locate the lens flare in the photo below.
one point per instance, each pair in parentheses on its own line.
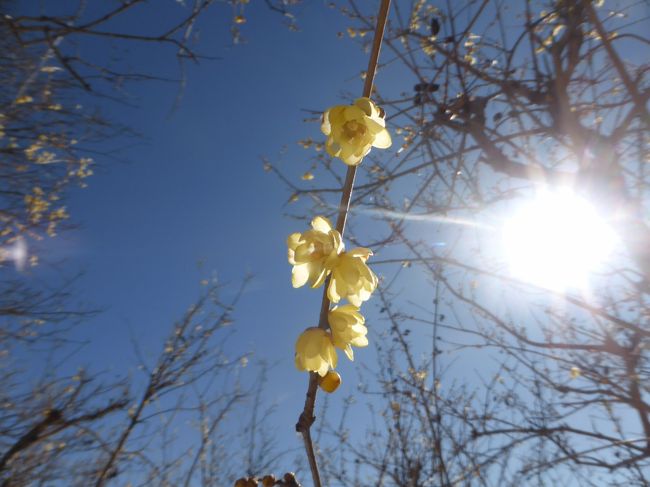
(16,253)
(557,240)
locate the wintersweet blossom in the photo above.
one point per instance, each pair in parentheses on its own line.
(351,278)
(315,351)
(348,329)
(352,130)
(313,253)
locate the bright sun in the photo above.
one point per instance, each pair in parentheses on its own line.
(556,240)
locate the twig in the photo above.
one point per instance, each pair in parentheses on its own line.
(307,417)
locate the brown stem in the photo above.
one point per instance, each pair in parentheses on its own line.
(307,417)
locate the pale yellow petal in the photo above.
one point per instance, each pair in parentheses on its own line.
(382,140)
(350,158)
(348,351)
(326,126)
(374,125)
(352,112)
(299,364)
(299,275)
(368,106)
(323,369)
(337,241)
(292,243)
(332,291)
(319,279)
(361,252)
(332,147)
(354,299)
(321,224)
(336,115)
(333,358)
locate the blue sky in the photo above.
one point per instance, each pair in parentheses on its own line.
(194,190)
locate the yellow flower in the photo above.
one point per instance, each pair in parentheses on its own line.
(353,129)
(315,351)
(351,278)
(348,329)
(313,253)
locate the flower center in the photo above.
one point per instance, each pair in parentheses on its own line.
(353,129)
(319,250)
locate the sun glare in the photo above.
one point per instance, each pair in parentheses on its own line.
(16,253)
(556,240)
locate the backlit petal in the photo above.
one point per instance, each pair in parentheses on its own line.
(382,140)
(299,275)
(321,224)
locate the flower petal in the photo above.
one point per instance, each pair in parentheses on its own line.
(299,275)
(375,125)
(348,351)
(332,291)
(361,252)
(368,106)
(321,224)
(352,112)
(333,148)
(382,140)
(319,279)
(332,117)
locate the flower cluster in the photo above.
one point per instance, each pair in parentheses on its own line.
(319,254)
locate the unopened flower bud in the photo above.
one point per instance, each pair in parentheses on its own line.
(268,481)
(246,482)
(290,479)
(330,382)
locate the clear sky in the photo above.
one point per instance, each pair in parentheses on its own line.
(194,190)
